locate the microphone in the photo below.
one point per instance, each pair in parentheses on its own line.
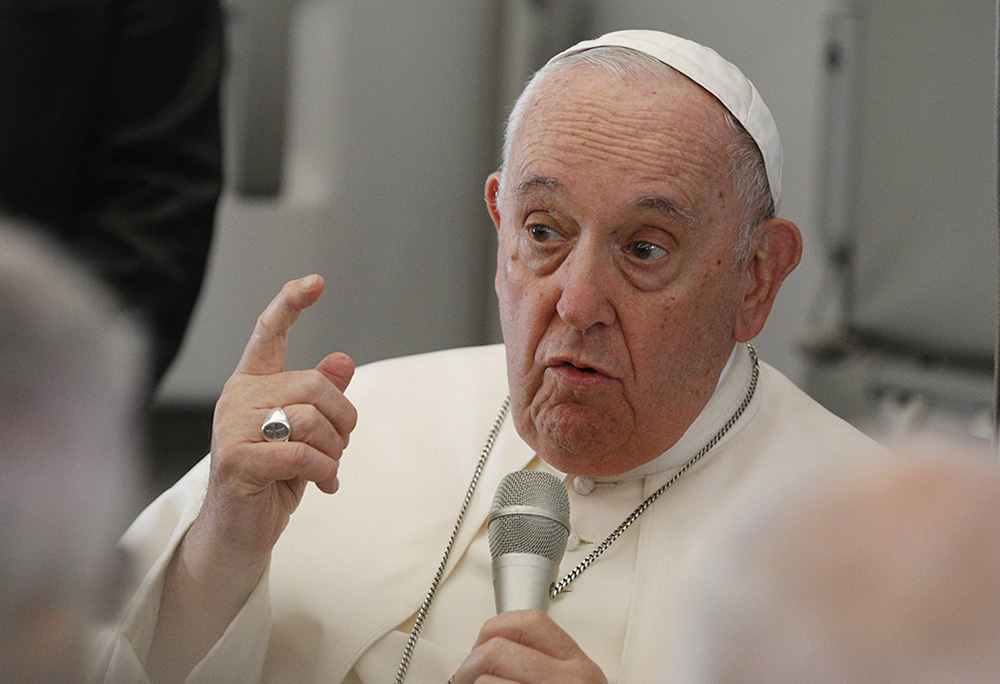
(528,526)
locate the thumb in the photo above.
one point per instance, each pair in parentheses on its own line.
(339,368)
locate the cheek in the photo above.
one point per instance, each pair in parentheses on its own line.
(716,291)
(723,296)
(693,330)
(508,263)
(521,292)
(677,327)
(516,311)
(507,288)
(522,314)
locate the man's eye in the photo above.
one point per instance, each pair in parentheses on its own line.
(646,251)
(542,233)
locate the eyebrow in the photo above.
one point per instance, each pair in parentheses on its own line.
(533,183)
(656,203)
(664,206)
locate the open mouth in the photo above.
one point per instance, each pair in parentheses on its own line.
(582,369)
(579,376)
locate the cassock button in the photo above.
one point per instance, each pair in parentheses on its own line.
(583,485)
(572,541)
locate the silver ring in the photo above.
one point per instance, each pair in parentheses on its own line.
(276,427)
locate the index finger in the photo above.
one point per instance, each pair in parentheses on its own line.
(268,345)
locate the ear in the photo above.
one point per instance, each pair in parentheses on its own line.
(777,250)
(492,196)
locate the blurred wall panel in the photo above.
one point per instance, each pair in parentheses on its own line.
(259,41)
(386,141)
(925,257)
(913,344)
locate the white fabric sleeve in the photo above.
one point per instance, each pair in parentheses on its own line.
(238,656)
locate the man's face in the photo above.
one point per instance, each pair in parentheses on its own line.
(616,273)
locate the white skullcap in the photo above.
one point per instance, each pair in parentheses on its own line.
(708,69)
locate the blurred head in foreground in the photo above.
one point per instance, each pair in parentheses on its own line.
(71,372)
(887,575)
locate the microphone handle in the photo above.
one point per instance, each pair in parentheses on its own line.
(521,581)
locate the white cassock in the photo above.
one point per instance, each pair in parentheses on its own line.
(351,570)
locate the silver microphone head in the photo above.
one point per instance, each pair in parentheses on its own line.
(528,526)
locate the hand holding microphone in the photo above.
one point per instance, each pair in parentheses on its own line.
(528,527)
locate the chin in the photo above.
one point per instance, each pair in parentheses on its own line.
(575,439)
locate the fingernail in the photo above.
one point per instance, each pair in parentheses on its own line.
(309,282)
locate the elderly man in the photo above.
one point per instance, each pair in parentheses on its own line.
(638,252)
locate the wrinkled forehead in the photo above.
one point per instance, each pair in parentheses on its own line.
(658,127)
(649,91)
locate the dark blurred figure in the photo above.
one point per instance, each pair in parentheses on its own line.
(110,137)
(70,369)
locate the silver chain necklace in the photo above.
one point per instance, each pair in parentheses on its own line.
(561,585)
(418,623)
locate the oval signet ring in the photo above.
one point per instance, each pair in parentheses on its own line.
(276,427)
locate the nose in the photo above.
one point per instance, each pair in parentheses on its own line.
(585,282)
